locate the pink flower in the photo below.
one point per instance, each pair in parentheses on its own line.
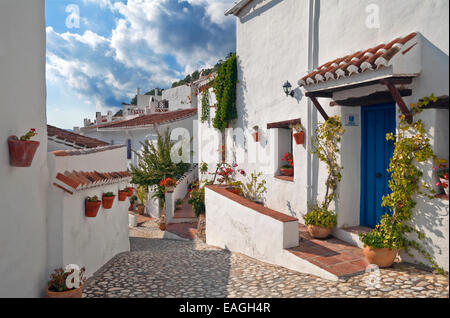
(438,184)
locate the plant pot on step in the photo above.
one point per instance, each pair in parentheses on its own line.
(108,202)
(382,257)
(73,293)
(140,209)
(91,208)
(289,172)
(255,136)
(299,137)
(318,231)
(21,152)
(123,195)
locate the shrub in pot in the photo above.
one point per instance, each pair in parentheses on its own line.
(22,151)
(141,195)
(235,187)
(197,200)
(254,188)
(320,222)
(123,194)
(133,201)
(298,134)
(57,285)
(130,191)
(288,168)
(107,200)
(92,205)
(178,204)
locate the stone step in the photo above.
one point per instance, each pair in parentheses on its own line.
(186,230)
(333,255)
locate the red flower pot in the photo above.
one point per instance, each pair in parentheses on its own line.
(289,172)
(299,137)
(92,208)
(123,195)
(130,191)
(21,153)
(256,136)
(108,202)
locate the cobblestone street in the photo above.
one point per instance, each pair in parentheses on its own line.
(169,268)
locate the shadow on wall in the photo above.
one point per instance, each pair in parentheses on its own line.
(259,11)
(175,267)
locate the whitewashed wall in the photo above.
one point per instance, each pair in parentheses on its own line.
(179,97)
(23,191)
(282,40)
(74,238)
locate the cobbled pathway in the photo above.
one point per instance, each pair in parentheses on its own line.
(169,268)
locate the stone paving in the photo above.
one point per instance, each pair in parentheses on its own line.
(169,268)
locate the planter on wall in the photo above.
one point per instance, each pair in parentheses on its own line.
(318,231)
(256,136)
(91,208)
(130,191)
(21,153)
(73,293)
(299,137)
(289,172)
(108,202)
(382,257)
(123,195)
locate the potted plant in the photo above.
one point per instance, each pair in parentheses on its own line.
(443,178)
(320,222)
(92,205)
(298,133)
(235,187)
(133,200)
(57,285)
(162,222)
(107,200)
(130,191)
(288,168)
(169,184)
(22,151)
(178,204)
(197,201)
(255,133)
(123,194)
(141,195)
(380,244)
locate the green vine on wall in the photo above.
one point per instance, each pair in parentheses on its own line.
(205,107)
(225,90)
(411,146)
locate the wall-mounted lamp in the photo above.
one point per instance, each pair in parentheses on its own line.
(287,89)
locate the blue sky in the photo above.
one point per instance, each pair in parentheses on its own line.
(100,51)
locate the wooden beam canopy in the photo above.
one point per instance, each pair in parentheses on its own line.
(284,124)
(398,99)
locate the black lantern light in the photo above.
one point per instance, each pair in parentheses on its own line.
(287,89)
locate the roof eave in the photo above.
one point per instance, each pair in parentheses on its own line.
(237,7)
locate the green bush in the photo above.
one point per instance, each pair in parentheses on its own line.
(197,200)
(320,216)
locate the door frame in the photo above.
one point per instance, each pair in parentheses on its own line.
(363,187)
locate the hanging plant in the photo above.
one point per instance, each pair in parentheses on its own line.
(225,90)
(410,145)
(205,107)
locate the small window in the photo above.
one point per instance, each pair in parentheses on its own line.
(129,149)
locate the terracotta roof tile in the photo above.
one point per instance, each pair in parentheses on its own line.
(76,139)
(77,152)
(80,180)
(157,118)
(358,62)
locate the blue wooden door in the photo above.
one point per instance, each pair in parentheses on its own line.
(376,152)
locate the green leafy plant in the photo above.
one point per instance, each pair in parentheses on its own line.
(57,282)
(125,190)
(141,194)
(31,133)
(255,188)
(297,127)
(320,216)
(92,199)
(179,202)
(197,200)
(108,194)
(411,145)
(203,167)
(160,194)
(224,86)
(256,128)
(205,107)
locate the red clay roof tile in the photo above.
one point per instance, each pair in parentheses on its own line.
(78,140)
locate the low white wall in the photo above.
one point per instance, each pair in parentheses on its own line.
(179,97)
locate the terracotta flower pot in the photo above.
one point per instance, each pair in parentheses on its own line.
(108,202)
(130,191)
(318,231)
(140,209)
(299,137)
(123,195)
(92,208)
(162,226)
(256,136)
(382,257)
(235,190)
(287,171)
(178,206)
(21,153)
(73,293)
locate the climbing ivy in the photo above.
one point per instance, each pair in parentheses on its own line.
(411,146)
(224,86)
(205,107)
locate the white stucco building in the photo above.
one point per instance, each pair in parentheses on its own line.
(358,55)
